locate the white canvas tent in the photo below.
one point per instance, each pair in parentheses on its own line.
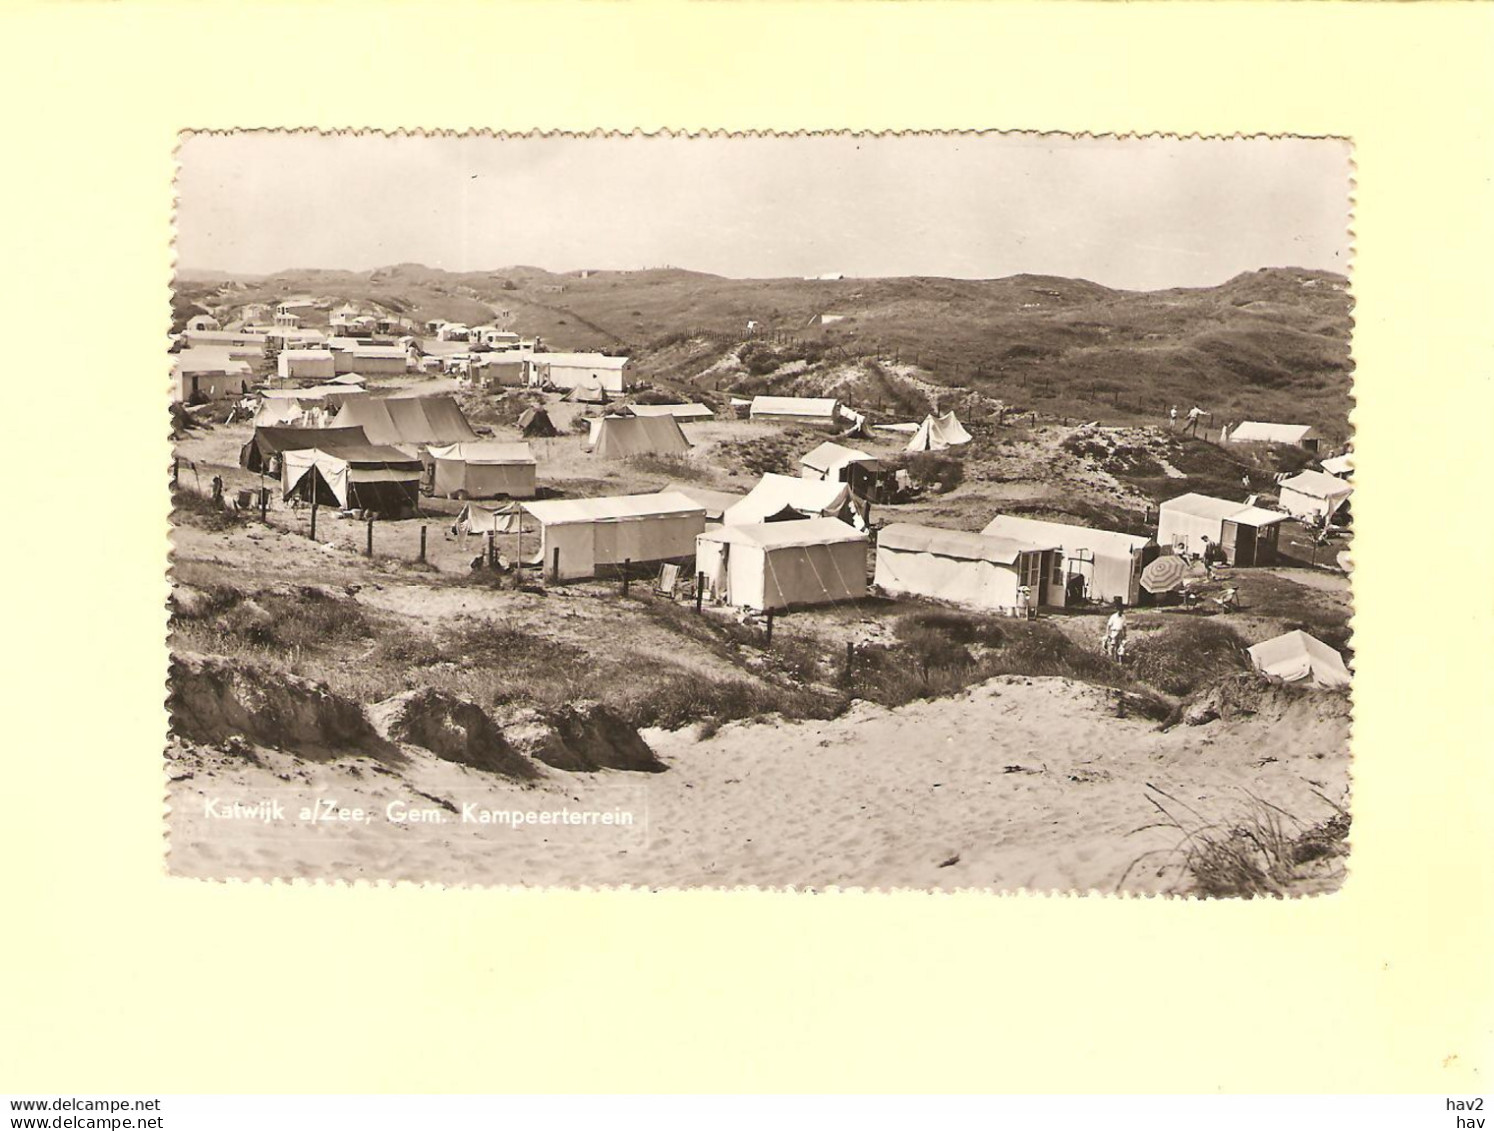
(1341,466)
(803,410)
(358,476)
(937,433)
(978,570)
(593,534)
(781,565)
(828,462)
(1264,432)
(483,469)
(781,497)
(1314,494)
(1296,657)
(1107,562)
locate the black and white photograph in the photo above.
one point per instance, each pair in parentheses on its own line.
(940,511)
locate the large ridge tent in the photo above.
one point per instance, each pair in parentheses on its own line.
(535,421)
(716,503)
(615,437)
(483,469)
(801,410)
(1246,535)
(1297,657)
(372,477)
(1264,432)
(781,565)
(407,420)
(784,497)
(1313,494)
(1098,565)
(937,433)
(266,443)
(593,534)
(978,570)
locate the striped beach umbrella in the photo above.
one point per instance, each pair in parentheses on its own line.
(1163,575)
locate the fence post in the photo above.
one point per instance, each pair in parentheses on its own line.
(627,569)
(313,514)
(368,550)
(850,659)
(490,551)
(264,502)
(555,567)
(699,590)
(768,642)
(422,544)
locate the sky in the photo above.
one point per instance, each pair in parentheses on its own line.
(1139,214)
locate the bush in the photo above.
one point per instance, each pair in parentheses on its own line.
(1264,851)
(935,470)
(1186,654)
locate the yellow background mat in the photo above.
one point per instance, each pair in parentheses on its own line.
(116,978)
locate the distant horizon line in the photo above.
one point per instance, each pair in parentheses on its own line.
(181,271)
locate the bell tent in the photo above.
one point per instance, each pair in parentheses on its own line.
(937,433)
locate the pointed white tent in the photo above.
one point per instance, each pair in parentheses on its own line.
(937,433)
(1296,657)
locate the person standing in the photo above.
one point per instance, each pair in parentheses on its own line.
(1115,632)
(1194,415)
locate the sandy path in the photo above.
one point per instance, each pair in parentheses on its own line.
(1020,783)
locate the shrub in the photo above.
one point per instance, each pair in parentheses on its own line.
(1186,654)
(1264,851)
(940,472)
